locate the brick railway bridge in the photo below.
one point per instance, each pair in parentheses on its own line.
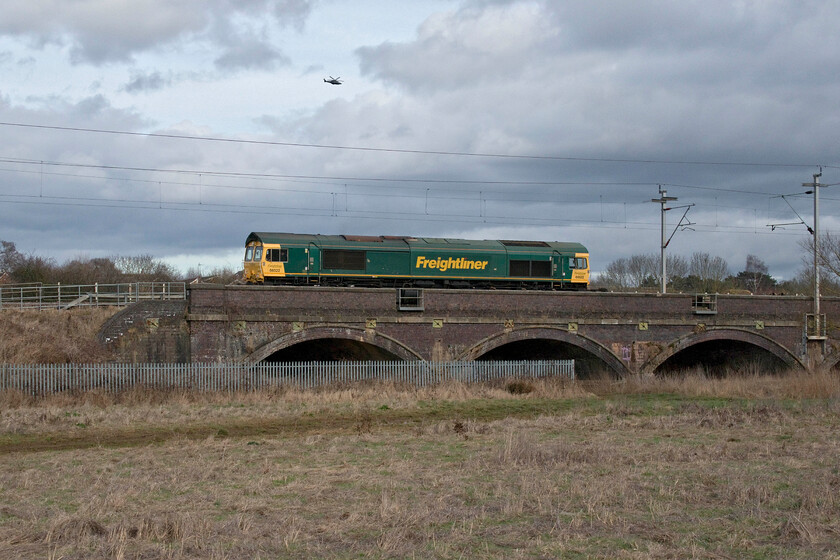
(623,333)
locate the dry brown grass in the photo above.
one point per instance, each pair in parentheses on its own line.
(668,468)
(731,384)
(698,483)
(52,337)
(25,415)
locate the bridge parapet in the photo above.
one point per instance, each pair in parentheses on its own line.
(627,332)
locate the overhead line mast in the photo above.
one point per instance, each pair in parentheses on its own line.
(663,200)
(816,232)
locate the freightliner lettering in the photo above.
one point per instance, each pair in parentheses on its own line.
(444,264)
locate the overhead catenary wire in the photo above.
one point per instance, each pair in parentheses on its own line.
(394,185)
(161,203)
(331,180)
(389,215)
(425,195)
(402,150)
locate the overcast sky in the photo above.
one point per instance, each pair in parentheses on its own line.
(176,128)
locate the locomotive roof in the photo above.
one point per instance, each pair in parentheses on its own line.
(404,242)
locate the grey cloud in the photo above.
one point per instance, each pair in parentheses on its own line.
(249,53)
(147,82)
(312,69)
(245,46)
(461,49)
(601,78)
(654,81)
(101,31)
(293,12)
(508,77)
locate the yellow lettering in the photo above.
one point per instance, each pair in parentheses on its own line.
(450,263)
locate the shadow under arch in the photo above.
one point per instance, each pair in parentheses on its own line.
(324,333)
(723,335)
(557,334)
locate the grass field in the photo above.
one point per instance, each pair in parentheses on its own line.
(737,467)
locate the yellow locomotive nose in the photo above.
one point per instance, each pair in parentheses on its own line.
(251,264)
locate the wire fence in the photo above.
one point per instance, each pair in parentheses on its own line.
(48,379)
(37,296)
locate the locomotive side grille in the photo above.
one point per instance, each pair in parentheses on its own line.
(343,259)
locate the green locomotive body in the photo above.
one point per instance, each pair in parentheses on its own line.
(358,260)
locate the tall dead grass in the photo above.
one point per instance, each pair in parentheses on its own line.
(52,336)
(790,385)
(362,393)
(822,384)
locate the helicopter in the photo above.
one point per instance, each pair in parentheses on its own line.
(333,81)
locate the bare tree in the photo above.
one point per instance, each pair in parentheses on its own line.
(25,268)
(145,268)
(616,276)
(642,270)
(803,282)
(709,272)
(216,275)
(89,271)
(829,257)
(10,258)
(677,266)
(755,277)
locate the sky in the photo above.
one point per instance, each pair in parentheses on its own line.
(176,128)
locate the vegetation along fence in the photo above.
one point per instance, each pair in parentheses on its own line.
(46,379)
(37,296)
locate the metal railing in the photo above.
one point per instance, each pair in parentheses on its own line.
(47,379)
(37,296)
(704,304)
(410,299)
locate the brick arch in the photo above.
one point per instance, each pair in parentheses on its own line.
(547,333)
(727,334)
(830,361)
(320,333)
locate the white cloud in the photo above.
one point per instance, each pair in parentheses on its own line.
(584,87)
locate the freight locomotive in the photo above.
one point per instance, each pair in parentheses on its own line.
(392,261)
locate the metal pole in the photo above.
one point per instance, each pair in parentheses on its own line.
(663,200)
(816,186)
(817,248)
(664,276)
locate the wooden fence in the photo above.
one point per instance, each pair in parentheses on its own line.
(46,379)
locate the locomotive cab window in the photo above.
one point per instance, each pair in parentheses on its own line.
(257,253)
(249,253)
(578,263)
(277,255)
